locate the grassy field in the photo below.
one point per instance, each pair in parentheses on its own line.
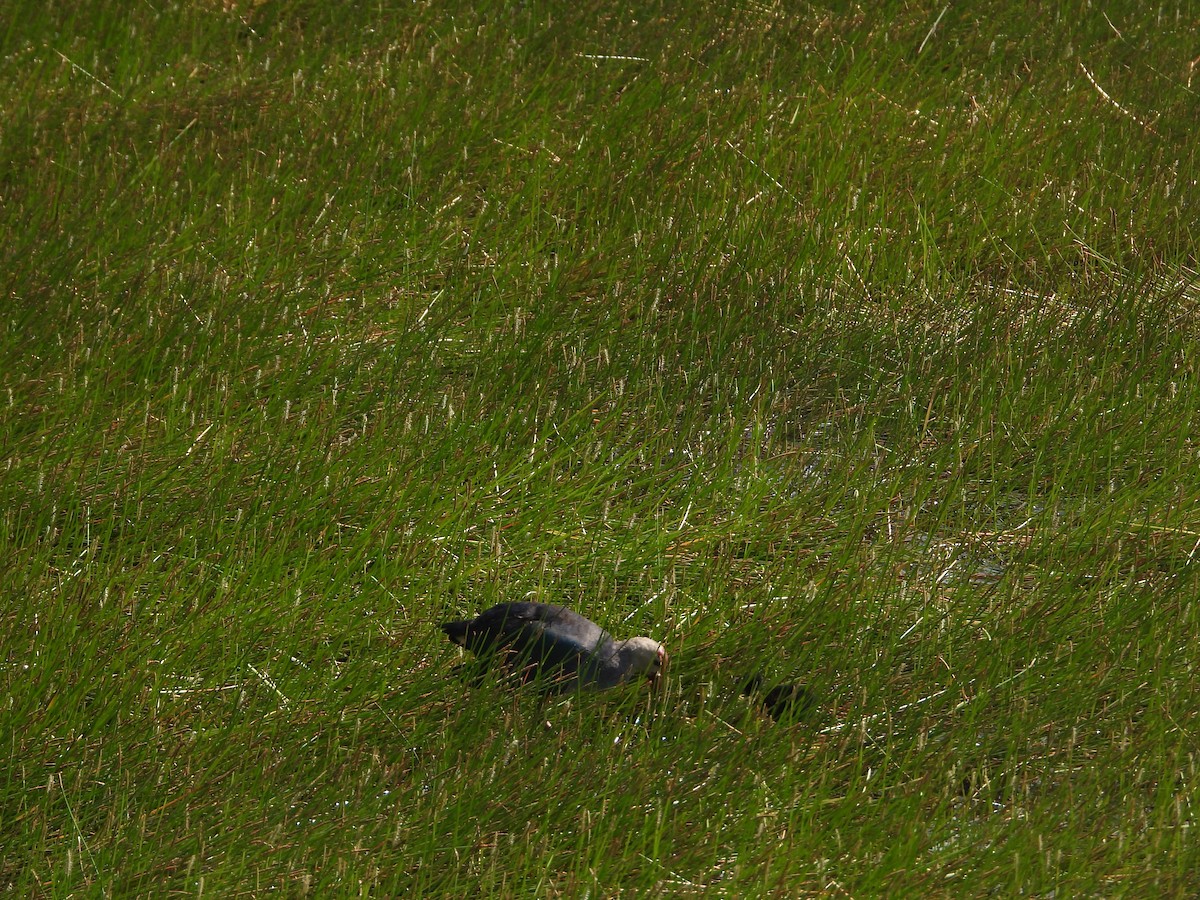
(850,344)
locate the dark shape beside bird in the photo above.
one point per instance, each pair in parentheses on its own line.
(556,645)
(787,701)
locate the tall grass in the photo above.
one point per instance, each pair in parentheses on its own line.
(851,346)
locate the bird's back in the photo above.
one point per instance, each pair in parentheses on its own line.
(540,635)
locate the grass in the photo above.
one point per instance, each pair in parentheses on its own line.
(852,345)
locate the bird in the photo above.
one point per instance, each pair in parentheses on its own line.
(557,646)
(784,701)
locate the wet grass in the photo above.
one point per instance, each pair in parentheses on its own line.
(852,347)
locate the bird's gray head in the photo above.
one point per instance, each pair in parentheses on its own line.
(643,656)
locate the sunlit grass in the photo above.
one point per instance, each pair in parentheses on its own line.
(854,348)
